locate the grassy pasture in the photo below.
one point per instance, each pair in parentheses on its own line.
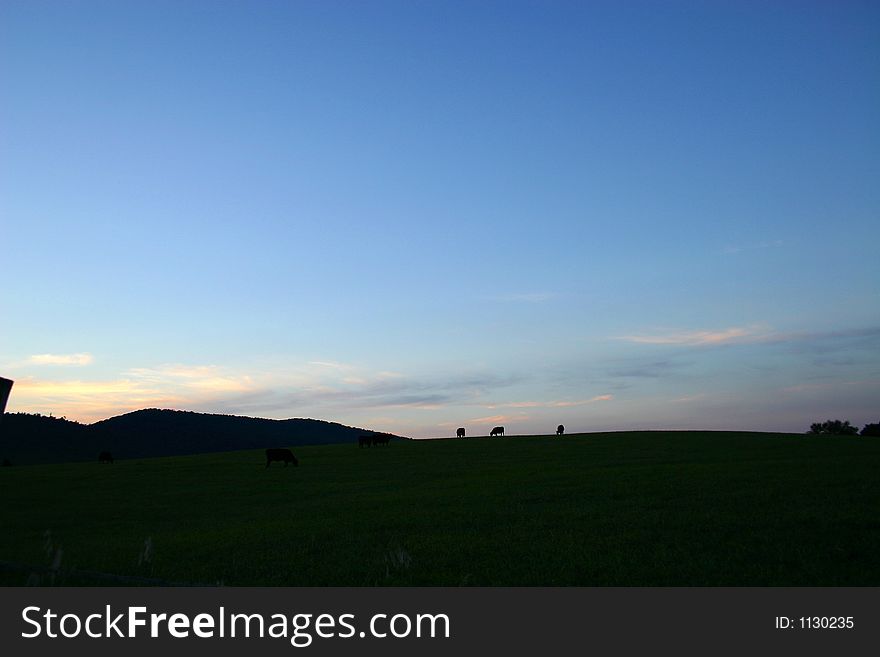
(648,508)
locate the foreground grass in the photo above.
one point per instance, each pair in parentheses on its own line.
(653,508)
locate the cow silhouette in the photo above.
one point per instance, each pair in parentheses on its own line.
(460,432)
(105,457)
(497,431)
(365,441)
(381,440)
(280,455)
(560,430)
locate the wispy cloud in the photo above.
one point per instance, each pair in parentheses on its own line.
(383,389)
(75,388)
(166,386)
(801,341)
(204,378)
(828,341)
(88,401)
(591,400)
(314,389)
(332,365)
(551,404)
(494,419)
(831,385)
(644,369)
(699,338)
(689,398)
(61,359)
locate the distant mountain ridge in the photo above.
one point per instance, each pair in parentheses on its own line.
(27,439)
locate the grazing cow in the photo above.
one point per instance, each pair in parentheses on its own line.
(105,457)
(497,431)
(460,433)
(365,441)
(381,440)
(280,455)
(560,430)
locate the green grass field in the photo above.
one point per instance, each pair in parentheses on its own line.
(653,508)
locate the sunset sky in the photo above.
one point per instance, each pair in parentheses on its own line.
(414,216)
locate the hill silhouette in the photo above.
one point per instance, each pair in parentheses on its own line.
(28,439)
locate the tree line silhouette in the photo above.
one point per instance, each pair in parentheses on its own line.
(28,438)
(842,428)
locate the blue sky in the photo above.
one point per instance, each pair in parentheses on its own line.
(414,216)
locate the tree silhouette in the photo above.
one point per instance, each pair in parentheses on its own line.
(871,430)
(833,427)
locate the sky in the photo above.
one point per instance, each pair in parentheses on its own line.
(422,215)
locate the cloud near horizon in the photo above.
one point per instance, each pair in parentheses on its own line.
(698,338)
(86,401)
(61,359)
(755,334)
(167,386)
(316,388)
(355,394)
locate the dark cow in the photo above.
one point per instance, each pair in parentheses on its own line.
(497,431)
(280,455)
(105,457)
(560,430)
(460,433)
(381,440)
(365,441)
